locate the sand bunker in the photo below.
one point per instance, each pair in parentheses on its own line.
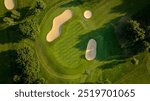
(87,14)
(91,50)
(57,23)
(9,4)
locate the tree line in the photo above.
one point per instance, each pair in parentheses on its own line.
(27,69)
(133,36)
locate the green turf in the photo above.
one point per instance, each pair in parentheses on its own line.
(63,61)
(64,58)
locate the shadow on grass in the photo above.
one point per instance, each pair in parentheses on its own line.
(10,35)
(7,66)
(108,47)
(130,6)
(75,3)
(143,16)
(24,12)
(111,65)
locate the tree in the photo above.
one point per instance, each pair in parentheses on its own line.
(134,27)
(16,78)
(131,35)
(28,64)
(146,45)
(15,14)
(9,21)
(30,28)
(133,31)
(38,6)
(40,81)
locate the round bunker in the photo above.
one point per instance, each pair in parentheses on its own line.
(57,23)
(9,4)
(91,50)
(87,14)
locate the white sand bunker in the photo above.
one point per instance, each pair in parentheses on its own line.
(91,50)
(87,14)
(9,4)
(57,23)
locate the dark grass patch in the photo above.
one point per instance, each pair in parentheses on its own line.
(7,66)
(107,45)
(10,35)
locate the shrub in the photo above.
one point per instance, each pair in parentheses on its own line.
(30,29)
(28,64)
(40,81)
(15,14)
(9,21)
(16,78)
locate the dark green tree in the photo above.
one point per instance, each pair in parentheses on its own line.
(15,14)
(16,78)
(134,28)
(38,6)
(30,29)
(28,64)
(9,21)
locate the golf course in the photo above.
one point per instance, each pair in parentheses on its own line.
(74,41)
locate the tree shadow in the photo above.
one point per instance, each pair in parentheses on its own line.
(75,3)
(10,35)
(24,12)
(111,65)
(7,66)
(143,16)
(108,47)
(130,6)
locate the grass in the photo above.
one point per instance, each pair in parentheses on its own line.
(63,61)
(65,56)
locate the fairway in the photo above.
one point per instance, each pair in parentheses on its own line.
(61,46)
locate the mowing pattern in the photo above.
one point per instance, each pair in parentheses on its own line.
(63,60)
(66,55)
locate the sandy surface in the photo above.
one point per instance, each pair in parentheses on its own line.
(91,50)
(9,4)
(87,14)
(57,23)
